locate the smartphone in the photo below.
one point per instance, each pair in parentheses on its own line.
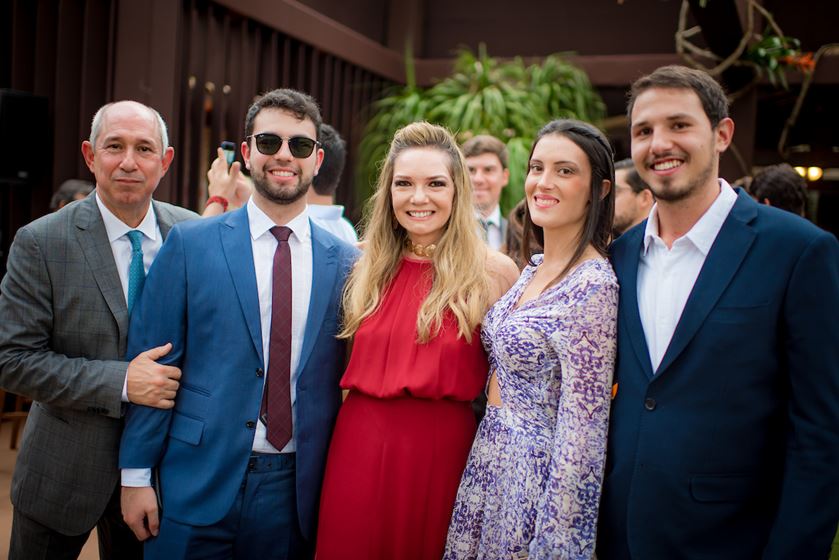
(229,151)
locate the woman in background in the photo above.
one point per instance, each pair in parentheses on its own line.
(413,306)
(532,484)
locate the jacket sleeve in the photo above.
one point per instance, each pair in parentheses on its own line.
(158,318)
(808,509)
(28,364)
(566,518)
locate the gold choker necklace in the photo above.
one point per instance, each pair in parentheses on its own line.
(420,250)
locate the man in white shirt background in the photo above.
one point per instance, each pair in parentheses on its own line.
(486,160)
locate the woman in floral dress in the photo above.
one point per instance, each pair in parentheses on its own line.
(532,483)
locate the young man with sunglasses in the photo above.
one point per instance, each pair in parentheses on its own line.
(239,460)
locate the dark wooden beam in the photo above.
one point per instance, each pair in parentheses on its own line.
(301,22)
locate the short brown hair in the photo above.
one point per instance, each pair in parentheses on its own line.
(710,93)
(486,144)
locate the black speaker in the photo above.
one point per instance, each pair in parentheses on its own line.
(25,137)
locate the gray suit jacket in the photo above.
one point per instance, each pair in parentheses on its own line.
(63,326)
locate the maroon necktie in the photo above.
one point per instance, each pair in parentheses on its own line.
(276,397)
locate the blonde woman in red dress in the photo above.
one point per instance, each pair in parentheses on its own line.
(413,307)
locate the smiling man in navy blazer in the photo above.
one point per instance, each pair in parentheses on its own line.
(250,301)
(724,436)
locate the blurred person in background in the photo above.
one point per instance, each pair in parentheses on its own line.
(486,160)
(780,186)
(321,197)
(633,197)
(70,191)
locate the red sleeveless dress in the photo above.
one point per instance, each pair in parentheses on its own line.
(404,433)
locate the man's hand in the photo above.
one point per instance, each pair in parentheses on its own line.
(227,183)
(139,510)
(150,383)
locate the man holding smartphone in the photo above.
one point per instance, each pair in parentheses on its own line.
(227,186)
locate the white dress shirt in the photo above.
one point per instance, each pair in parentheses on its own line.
(666,276)
(117,232)
(331,218)
(493,230)
(263,245)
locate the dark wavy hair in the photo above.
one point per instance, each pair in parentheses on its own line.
(597,228)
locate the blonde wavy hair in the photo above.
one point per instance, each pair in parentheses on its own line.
(459,285)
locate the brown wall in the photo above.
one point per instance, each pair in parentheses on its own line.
(540,27)
(60,51)
(368,17)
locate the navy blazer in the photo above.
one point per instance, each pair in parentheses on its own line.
(201,295)
(730,450)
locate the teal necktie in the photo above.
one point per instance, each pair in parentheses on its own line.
(484,229)
(136,270)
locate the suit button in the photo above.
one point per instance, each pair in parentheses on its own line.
(250,424)
(649,404)
(259,372)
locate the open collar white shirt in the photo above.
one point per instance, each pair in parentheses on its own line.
(666,276)
(264,244)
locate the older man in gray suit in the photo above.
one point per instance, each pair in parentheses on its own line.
(64,307)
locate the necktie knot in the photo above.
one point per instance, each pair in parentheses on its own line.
(136,239)
(282,233)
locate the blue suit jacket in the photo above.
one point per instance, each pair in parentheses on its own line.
(201,295)
(731,450)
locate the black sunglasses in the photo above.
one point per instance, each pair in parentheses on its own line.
(269,144)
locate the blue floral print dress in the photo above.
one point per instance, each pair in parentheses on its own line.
(532,483)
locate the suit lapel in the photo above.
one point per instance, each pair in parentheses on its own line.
(234,230)
(324,273)
(630,315)
(723,260)
(165,220)
(93,239)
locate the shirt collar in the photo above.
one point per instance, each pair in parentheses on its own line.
(260,222)
(116,228)
(704,231)
(494,218)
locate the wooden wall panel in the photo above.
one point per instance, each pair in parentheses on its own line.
(242,58)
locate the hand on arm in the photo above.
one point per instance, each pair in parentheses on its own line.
(149,383)
(34,358)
